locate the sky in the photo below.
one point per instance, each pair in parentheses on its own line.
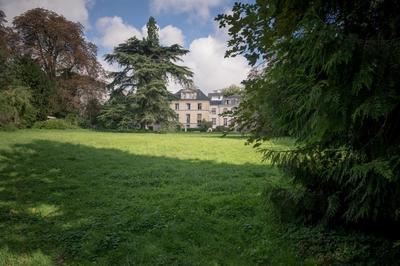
(189,23)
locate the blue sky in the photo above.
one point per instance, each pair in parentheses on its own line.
(186,22)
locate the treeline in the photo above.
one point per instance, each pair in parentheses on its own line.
(47,68)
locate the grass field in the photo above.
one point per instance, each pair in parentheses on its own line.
(81,197)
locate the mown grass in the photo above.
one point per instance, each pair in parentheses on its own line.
(82,197)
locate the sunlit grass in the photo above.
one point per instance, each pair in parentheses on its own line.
(81,197)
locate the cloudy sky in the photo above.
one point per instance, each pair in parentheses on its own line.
(189,23)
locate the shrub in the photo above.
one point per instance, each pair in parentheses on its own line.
(171,126)
(8,127)
(54,124)
(16,110)
(204,125)
(221,129)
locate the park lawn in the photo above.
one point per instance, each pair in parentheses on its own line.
(81,197)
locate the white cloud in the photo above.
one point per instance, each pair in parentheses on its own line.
(114,31)
(170,35)
(211,69)
(107,66)
(195,8)
(74,10)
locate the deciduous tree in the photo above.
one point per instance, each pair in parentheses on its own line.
(60,48)
(56,43)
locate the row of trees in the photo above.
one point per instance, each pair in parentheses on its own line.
(330,78)
(46,68)
(49,69)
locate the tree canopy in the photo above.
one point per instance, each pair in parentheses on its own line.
(327,75)
(56,43)
(140,88)
(232,90)
(48,56)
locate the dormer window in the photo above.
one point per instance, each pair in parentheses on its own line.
(188,95)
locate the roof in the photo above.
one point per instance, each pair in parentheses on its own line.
(199,95)
(215,102)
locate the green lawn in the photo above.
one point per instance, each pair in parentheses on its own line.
(81,197)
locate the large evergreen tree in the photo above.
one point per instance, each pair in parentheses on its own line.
(331,80)
(139,90)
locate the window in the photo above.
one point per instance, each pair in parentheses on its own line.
(188,95)
(177,106)
(214,121)
(188,106)
(199,119)
(227,101)
(214,111)
(199,106)
(187,118)
(225,121)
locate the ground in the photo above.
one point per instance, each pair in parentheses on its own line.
(78,197)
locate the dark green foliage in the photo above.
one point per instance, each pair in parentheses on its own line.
(91,111)
(118,113)
(26,92)
(16,109)
(48,55)
(152,32)
(221,129)
(140,87)
(204,125)
(332,82)
(3,50)
(54,124)
(335,247)
(42,88)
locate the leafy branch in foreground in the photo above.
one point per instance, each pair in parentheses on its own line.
(330,78)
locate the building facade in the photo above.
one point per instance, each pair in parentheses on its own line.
(192,106)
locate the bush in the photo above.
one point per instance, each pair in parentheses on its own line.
(16,110)
(172,126)
(8,127)
(221,129)
(54,124)
(204,125)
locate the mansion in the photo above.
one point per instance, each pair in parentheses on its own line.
(192,106)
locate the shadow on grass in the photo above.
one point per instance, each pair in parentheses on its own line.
(79,204)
